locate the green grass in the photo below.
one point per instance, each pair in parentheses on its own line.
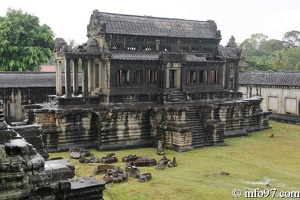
(249,160)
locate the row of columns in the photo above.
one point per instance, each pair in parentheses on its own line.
(92,76)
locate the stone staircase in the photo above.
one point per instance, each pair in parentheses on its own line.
(174,96)
(196,126)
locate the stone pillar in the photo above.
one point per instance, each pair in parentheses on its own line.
(178,78)
(85,77)
(236,77)
(107,79)
(75,77)
(220,75)
(91,75)
(227,78)
(58,78)
(101,78)
(167,78)
(106,74)
(68,87)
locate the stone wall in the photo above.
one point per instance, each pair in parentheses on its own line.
(65,128)
(169,125)
(124,127)
(279,99)
(178,121)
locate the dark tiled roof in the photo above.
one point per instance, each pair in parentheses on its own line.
(270,78)
(30,79)
(228,52)
(153,26)
(134,56)
(194,58)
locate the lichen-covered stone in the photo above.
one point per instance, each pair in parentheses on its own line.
(24,174)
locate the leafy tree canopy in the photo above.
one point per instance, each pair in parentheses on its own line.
(24,43)
(252,44)
(292,39)
(275,55)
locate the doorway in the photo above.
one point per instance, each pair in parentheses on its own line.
(172,76)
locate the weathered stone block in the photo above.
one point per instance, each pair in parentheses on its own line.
(5,135)
(39,179)
(36,162)
(17,163)
(59,171)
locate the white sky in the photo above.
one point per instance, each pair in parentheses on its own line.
(240,18)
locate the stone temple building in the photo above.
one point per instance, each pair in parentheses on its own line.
(147,79)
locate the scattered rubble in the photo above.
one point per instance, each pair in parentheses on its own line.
(109,158)
(145,177)
(115,175)
(144,161)
(130,158)
(164,162)
(132,170)
(91,159)
(102,169)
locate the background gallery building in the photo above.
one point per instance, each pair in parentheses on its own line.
(145,79)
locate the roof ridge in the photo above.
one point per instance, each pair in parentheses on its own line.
(155,17)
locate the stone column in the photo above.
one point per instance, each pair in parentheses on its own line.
(178,78)
(236,77)
(68,88)
(91,75)
(220,75)
(101,78)
(167,78)
(105,68)
(75,76)
(107,75)
(85,77)
(227,78)
(58,78)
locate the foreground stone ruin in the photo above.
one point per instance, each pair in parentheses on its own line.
(24,173)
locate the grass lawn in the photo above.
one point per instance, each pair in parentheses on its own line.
(252,162)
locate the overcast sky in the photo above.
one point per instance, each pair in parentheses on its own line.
(240,18)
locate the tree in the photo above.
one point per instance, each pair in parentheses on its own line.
(272,45)
(291,55)
(280,62)
(24,43)
(260,64)
(298,66)
(292,39)
(252,44)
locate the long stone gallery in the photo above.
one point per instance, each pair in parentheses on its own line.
(144,81)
